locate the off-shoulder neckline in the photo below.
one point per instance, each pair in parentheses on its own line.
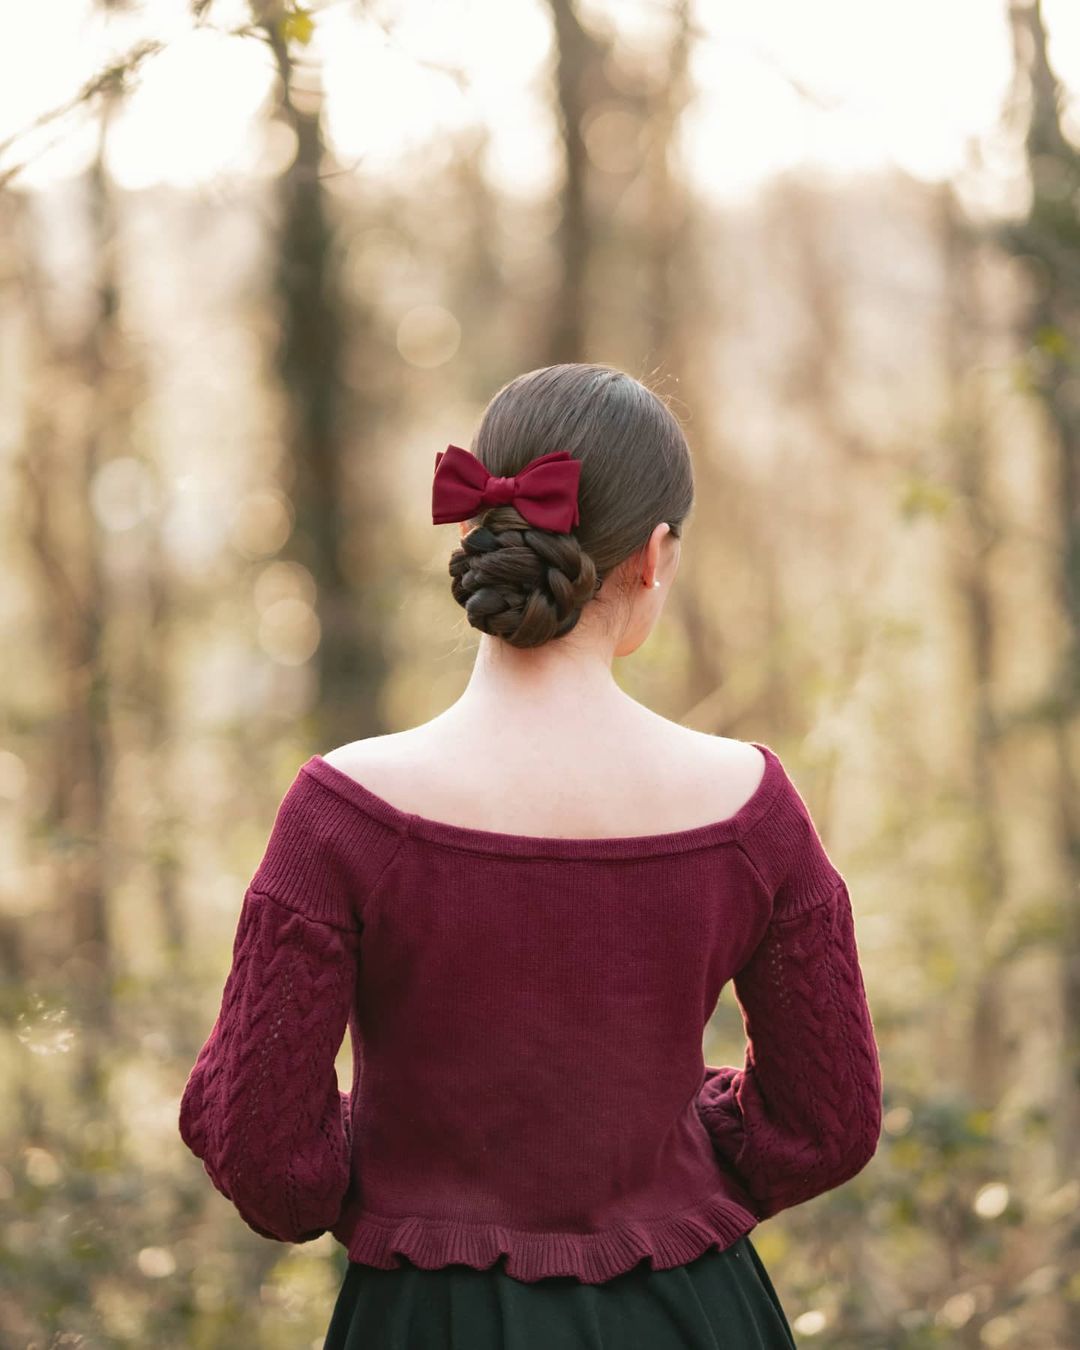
(466,837)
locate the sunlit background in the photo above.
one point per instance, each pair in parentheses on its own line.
(841,87)
(260,261)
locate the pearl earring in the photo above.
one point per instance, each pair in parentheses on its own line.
(655,584)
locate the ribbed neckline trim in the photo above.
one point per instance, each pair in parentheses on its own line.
(548,846)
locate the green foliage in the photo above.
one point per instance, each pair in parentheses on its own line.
(1055,343)
(924,496)
(297,25)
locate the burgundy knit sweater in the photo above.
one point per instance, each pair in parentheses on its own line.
(526,1016)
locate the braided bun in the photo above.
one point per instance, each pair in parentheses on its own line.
(528,585)
(520,583)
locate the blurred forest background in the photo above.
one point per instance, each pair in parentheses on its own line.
(260,261)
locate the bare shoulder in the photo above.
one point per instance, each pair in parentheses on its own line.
(370,752)
(720,763)
(717,769)
(710,751)
(739,755)
(397,764)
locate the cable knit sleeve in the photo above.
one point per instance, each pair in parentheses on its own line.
(803,1114)
(262,1107)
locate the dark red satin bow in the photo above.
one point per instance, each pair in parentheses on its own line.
(545,492)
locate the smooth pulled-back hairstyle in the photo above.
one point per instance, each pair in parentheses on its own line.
(528,585)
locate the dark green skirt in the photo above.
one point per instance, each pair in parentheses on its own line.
(722,1300)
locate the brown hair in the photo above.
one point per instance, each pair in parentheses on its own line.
(528,585)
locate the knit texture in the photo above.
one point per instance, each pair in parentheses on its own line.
(526,1017)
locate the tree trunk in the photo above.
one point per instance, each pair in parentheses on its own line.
(1050,237)
(332,544)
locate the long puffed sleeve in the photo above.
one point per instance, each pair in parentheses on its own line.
(262,1107)
(804,1112)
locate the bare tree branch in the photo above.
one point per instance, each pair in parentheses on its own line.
(114,79)
(731,40)
(117,77)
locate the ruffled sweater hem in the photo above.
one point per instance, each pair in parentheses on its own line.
(378,1240)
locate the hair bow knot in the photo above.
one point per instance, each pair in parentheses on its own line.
(545,492)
